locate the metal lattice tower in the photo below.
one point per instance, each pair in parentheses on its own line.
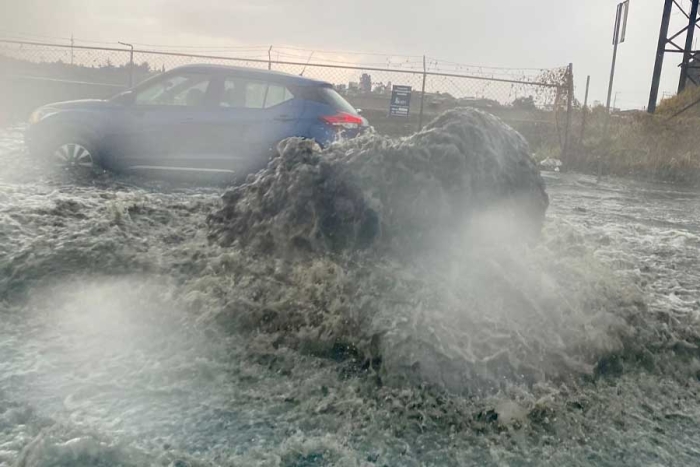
(667,44)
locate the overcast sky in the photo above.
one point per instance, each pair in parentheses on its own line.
(509,33)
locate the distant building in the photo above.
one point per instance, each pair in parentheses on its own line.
(365,83)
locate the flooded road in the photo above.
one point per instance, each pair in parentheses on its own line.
(113,352)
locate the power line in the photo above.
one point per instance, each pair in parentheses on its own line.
(258,48)
(409,63)
(484,67)
(320,59)
(8,32)
(193,47)
(350,52)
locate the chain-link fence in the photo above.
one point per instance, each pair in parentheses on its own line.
(536,102)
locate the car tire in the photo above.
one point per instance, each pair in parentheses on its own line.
(75,154)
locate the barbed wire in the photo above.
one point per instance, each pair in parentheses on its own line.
(444,80)
(391,60)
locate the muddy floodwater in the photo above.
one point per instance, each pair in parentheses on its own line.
(113,350)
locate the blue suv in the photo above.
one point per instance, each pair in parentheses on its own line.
(197,119)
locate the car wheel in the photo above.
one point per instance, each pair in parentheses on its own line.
(75,155)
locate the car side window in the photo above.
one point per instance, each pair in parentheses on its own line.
(185,90)
(243,93)
(276,95)
(255,92)
(232,96)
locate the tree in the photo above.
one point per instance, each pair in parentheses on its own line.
(525,103)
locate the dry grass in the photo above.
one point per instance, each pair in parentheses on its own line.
(675,104)
(637,144)
(642,145)
(656,147)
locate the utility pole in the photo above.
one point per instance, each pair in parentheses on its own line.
(72,44)
(619,34)
(585,110)
(687,54)
(569,110)
(660,52)
(667,44)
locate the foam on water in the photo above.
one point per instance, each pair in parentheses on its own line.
(128,337)
(414,256)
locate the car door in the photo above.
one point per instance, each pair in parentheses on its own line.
(168,127)
(253,115)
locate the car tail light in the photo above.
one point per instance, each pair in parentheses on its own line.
(343,120)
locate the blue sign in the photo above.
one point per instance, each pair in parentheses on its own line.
(400,101)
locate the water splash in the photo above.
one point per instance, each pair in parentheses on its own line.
(413,257)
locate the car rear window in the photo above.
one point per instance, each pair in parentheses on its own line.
(330,96)
(253,94)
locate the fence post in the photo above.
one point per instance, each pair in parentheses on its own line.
(269,58)
(585,110)
(422,96)
(131,67)
(131,63)
(569,110)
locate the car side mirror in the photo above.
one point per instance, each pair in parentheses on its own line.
(125,98)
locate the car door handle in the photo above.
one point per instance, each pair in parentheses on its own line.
(284,118)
